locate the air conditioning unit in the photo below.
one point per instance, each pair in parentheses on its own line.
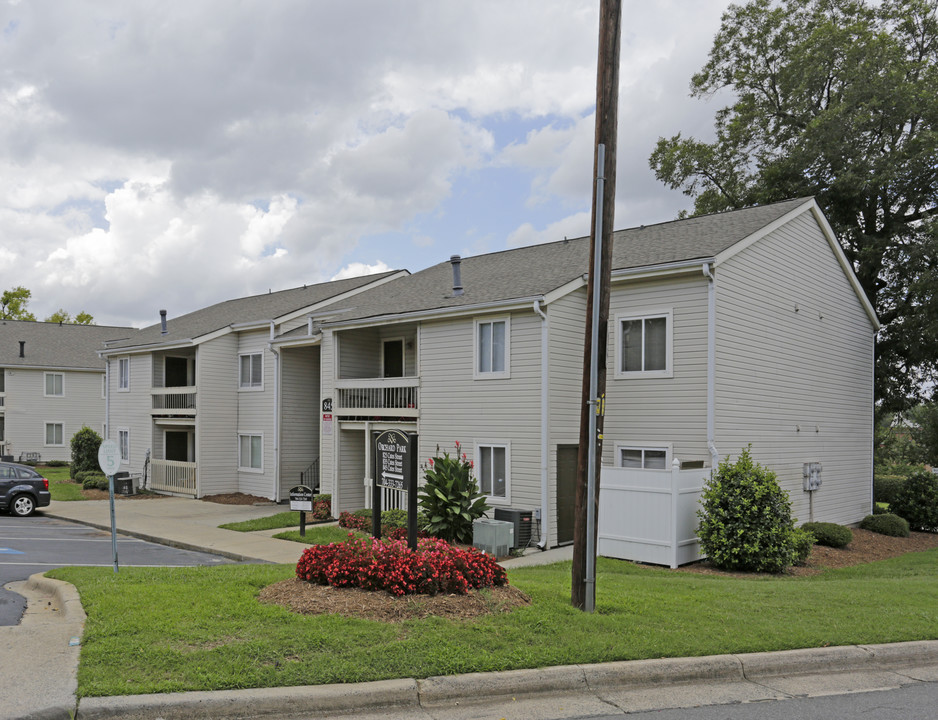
(494,537)
(522,520)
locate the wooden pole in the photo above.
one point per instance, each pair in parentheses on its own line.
(607,100)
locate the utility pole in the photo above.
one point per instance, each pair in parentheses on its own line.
(589,459)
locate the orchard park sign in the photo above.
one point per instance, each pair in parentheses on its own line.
(395,468)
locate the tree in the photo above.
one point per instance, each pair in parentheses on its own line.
(13,304)
(85,444)
(61,316)
(835,99)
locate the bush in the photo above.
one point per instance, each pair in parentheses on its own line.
(391,521)
(885,487)
(803,542)
(829,534)
(92,480)
(56,463)
(322,507)
(917,501)
(85,445)
(886,524)
(745,519)
(450,497)
(435,567)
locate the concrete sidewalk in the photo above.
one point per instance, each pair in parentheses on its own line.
(555,692)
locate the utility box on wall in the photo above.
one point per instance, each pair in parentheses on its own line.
(812,476)
(493,537)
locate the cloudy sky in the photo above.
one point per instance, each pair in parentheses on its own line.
(174,154)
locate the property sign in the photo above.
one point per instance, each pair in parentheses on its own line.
(109,457)
(301,498)
(395,468)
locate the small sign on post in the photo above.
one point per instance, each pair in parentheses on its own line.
(301,498)
(396,469)
(109,460)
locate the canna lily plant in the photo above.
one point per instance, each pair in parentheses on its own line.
(450,497)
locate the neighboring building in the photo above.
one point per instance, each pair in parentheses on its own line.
(196,394)
(51,384)
(736,328)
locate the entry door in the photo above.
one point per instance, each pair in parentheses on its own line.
(566,492)
(393,358)
(177,446)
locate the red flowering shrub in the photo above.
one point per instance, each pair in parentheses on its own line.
(322,507)
(435,567)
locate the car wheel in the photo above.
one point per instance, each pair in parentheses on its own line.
(22,505)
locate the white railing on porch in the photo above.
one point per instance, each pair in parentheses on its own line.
(173,476)
(380,396)
(650,515)
(390,499)
(174,400)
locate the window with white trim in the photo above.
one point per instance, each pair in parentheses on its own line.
(252,371)
(250,452)
(55,384)
(123,440)
(644,458)
(492,348)
(493,471)
(123,374)
(55,434)
(644,345)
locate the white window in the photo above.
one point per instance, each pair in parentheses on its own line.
(252,371)
(492,348)
(251,452)
(492,469)
(644,458)
(644,345)
(123,439)
(55,384)
(55,435)
(123,374)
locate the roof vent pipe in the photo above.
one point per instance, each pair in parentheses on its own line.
(162,322)
(457,277)
(22,348)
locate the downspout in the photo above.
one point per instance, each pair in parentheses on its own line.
(711,365)
(270,346)
(545,489)
(107,398)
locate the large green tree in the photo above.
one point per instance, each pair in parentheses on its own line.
(837,99)
(13,304)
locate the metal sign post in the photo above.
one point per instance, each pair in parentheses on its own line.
(109,460)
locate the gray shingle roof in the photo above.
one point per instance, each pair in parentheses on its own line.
(536,270)
(255,308)
(53,345)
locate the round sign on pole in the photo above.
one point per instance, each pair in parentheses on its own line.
(109,457)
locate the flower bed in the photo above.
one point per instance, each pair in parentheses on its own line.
(435,567)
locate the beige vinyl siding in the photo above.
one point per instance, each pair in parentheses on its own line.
(217,420)
(327,443)
(795,350)
(130,409)
(299,412)
(359,353)
(661,411)
(256,414)
(351,469)
(454,406)
(27,410)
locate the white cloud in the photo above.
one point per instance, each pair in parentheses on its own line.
(358,269)
(574,226)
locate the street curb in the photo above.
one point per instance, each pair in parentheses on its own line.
(65,594)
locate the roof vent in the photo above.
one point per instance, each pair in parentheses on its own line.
(457,276)
(163,322)
(22,348)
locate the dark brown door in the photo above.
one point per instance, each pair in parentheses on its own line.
(566,492)
(177,374)
(177,446)
(393,358)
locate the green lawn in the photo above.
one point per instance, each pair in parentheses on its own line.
(319,535)
(174,629)
(60,485)
(271,522)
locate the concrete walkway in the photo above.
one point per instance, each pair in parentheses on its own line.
(55,616)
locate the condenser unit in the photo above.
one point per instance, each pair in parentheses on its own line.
(494,537)
(521,520)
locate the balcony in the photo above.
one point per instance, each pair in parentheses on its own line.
(174,401)
(394,397)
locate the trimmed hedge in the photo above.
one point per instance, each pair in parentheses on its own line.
(886,524)
(885,487)
(829,534)
(91,480)
(917,501)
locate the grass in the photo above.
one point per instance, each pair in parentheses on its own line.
(60,485)
(176,629)
(271,522)
(319,535)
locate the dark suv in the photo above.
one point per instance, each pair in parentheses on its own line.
(22,489)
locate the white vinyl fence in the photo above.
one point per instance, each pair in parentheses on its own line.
(650,515)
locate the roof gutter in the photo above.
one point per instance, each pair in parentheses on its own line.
(671,268)
(512,304)
(149,347)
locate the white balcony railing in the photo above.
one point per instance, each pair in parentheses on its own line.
(394,397)
(174,401)
(173,476)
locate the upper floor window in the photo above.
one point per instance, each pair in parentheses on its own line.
(492,348)
(55,384)
(644,345)
(123,374)
(252,371)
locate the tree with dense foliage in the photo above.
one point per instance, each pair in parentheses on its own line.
(13,304)
(835,99)
(61,316)
(85,444)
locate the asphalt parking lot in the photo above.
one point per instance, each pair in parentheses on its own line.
(36,544)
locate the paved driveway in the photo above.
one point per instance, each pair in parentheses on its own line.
(37,543)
